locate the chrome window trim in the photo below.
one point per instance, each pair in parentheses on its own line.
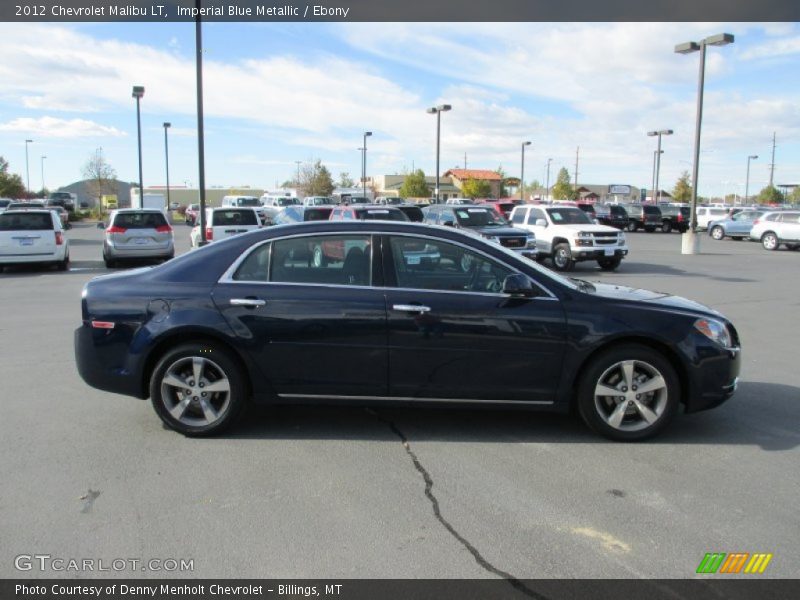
(227,276)
(417,399)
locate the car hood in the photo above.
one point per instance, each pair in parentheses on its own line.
(495,231)
(591,228)
(657,299)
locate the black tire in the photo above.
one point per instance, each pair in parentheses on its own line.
(609,264)
(770,241)
(632,226)
(218,366)
(110,264)
(64,264)
(666,226)
(649,229)
(793,246)
(717,232)
(562,258)
(318,258)
(605,368)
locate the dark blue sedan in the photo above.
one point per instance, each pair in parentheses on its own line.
(393,316)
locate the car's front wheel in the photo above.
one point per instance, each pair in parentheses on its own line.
(718,233)
(609,264)
(770,241)
(632,226)
(666,226)
(562,258)
(198,389)
(628,393)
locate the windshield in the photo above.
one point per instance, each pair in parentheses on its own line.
(479,217)
(568,216)
(140,220)
(25,221)
(287,201)
(60,196)
(381,214)
(247,202)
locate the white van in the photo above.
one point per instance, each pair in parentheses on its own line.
(278,201)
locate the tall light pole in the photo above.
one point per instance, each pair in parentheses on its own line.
(747,181)
(438,110)
(547,185)
(653,188)
(27,170)
(166,156)
(297,179)
(364,164)
(691,243)
(201,149)
(659,133)
(522,174)
(43,157)
(138,92)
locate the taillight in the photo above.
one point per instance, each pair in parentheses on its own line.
(59,238)
(209,233)
(115,229)
(163,229)
(680,218)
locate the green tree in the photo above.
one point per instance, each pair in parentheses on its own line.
(316,180)
(11,185)
(563,190)
(345,180)
(415,186)
(476,188)
(794,196)
(770,195)
(100,176)
(503,192)
(682,192)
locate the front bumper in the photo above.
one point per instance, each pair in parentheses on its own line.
(715,378)
(595,253)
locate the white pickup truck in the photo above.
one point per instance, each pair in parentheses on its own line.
(567,235)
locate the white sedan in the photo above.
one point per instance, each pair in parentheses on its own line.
(32,237)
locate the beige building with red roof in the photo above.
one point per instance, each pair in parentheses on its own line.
(460,176)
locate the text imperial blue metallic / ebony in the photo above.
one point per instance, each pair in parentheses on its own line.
(386,312)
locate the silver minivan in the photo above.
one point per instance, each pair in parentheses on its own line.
(137,233)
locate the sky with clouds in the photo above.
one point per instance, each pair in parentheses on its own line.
(280,93)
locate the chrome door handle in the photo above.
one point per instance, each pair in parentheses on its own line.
(418,308)
(251,302)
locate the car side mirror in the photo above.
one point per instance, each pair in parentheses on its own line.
(518,284)
(541,223)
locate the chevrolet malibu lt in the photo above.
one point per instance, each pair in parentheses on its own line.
(253,319)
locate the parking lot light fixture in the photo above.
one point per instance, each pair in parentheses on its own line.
(166,157)
(690,243)
(138,93)
(547,185)
(522,174)
(364,164)
(747,180)
(438,110)
(656,190)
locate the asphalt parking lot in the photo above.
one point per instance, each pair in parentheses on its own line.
(335,493)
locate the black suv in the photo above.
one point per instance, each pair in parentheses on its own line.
(612,215)
(675,218)
(643,216)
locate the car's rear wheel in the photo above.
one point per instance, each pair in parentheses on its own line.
(562,258)
(632,226)
(793,246)
(770,241)
(609,264)
(198,389)
(628,393)
(666,227)
(717,232)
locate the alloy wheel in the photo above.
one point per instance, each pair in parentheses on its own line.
(195,391)
(631,395)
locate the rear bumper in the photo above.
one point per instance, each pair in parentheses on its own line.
(147,251)
(31,259)
(98,363)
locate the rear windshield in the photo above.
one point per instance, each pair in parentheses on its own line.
(287,201)
(247,202)
(414,213)
(381,214)
(25,221)
(317,214)
(140,220)
(4,202)
(235,217)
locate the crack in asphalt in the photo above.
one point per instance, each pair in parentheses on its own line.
(485,564)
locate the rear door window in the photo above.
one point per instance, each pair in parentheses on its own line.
(25,222)
(146,220)
(235,217)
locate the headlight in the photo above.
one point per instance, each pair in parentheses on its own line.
(583,234)
(621,238)
(715,331)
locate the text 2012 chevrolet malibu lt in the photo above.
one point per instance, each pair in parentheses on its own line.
(381,312)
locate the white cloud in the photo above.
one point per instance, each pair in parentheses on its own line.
(773,48)
(60,128)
